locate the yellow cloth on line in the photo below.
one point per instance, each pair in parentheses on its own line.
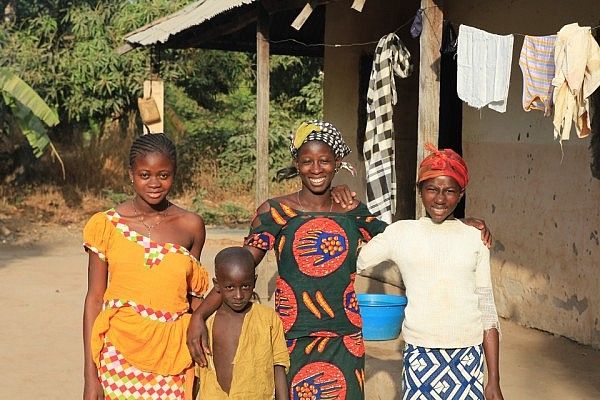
(577,76)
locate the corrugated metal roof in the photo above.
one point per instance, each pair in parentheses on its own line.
(196,13)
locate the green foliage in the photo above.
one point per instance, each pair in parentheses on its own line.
(225,213)
(66,50)
(115,197)
(28,109)
(20,91)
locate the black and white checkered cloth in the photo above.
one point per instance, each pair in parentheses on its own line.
(391,58)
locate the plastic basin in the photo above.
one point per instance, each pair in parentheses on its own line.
(382,315)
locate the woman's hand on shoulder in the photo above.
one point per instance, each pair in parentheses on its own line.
(486,235)
(345,197)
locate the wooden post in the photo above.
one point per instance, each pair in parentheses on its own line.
(265,284)
(262,108)
(429,83)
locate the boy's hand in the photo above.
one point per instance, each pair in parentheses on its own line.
(486,235)
(343,196)
(197,340)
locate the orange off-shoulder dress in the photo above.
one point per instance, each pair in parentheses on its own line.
(138,340)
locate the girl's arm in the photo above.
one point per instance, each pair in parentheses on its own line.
(486,235)
(344,196)
(199,231)
(97,281)
(491,349)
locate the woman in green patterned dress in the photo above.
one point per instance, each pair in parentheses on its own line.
(315,241)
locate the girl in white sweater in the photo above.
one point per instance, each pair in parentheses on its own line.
(451,322)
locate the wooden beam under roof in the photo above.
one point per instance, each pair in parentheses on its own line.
(275,6)
(214,31)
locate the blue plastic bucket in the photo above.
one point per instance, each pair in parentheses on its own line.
(382,315)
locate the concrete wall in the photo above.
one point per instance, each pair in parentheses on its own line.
(545,216)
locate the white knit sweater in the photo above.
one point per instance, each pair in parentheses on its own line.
(442,266)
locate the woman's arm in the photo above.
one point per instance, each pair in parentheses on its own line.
(198,231)
(197,333)
(491,349)
(281,389)
(486,235)
(376,251)
(97,281)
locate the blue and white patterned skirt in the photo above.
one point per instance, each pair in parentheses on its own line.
(442,374)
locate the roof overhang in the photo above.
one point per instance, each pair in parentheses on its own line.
(231,25)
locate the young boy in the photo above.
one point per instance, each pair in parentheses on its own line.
(249,355)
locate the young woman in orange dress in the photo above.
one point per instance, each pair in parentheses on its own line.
(143,270)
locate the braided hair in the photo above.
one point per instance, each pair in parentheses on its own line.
(152,143)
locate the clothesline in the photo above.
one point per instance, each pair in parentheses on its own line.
(341,44)
(407,22)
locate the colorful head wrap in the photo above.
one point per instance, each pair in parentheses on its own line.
(445,162)
(321,131)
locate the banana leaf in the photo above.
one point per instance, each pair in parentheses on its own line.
(30,111)
(31,126)
(16,88)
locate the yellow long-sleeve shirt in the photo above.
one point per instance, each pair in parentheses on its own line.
(261,347)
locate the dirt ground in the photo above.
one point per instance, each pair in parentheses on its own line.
(42,285)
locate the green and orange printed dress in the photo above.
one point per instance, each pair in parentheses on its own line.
(314,297)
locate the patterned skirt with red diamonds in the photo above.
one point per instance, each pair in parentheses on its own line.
(122,380)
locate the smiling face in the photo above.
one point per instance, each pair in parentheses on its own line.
(152,175)
(235,282)
(316,164)
(440,196)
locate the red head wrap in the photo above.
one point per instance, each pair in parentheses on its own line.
(444,162)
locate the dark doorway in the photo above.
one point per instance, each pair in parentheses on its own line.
(450,135)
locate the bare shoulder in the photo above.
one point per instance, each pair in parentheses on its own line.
(290,200)
(287,200)
(264,207)
(188,220)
